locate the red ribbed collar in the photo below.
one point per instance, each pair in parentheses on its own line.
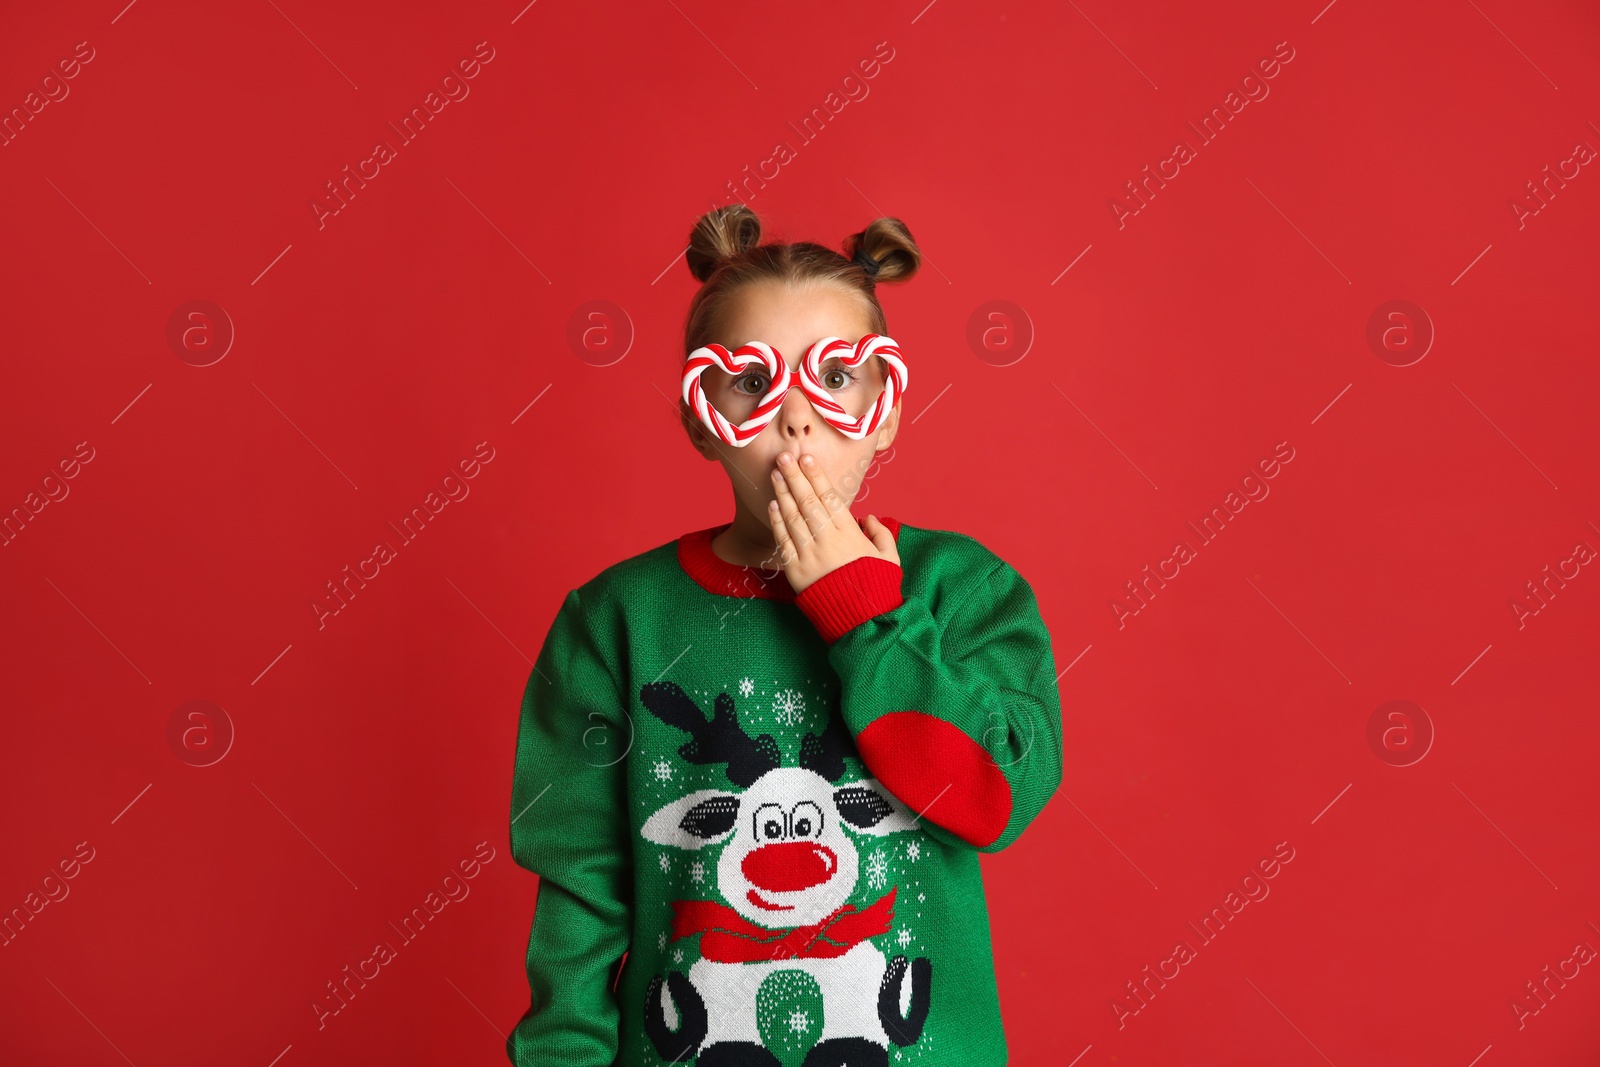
(716,575)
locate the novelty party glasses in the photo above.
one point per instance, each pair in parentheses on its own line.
(758,354)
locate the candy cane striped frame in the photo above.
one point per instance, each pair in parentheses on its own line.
(808,377)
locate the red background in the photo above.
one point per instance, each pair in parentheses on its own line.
(371,354)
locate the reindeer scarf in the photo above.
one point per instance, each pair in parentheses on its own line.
(731,938)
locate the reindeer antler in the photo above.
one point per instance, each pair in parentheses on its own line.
(825,754)
(721,740)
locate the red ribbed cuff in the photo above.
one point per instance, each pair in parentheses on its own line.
(847,596)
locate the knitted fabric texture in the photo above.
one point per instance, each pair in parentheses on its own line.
(756,816)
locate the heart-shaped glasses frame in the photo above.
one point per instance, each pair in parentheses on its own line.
(808,377)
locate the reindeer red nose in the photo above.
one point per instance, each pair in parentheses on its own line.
(791,865)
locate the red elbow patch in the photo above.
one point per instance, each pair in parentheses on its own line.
(934,768)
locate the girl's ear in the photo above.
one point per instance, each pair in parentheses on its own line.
(890,428)
(697,435)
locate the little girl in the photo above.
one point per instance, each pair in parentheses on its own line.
(756,764)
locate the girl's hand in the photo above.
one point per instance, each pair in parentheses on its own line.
(813,527)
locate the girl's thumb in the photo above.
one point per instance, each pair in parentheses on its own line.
(881,538)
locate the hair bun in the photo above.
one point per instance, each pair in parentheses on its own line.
(720,235)
(887,243)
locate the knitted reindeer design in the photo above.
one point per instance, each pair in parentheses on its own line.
(786,870)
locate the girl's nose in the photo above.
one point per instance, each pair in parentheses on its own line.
(796,413)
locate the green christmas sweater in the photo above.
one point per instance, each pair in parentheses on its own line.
(756,816)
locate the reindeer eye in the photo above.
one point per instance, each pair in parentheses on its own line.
(767,822)
(806,819)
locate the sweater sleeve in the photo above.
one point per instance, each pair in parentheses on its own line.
(958,716)
(569,826)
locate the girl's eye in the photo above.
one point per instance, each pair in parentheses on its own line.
(837,378)
(751,384)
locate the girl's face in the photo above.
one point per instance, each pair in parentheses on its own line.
(791,319)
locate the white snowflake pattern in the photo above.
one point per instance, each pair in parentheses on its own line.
(697,871)
(904,937)
(662,770)
(746,687)
(788,706)
(877,869)
(661,941)
(799,1021)
(666,862)
(677,956)
(914,851)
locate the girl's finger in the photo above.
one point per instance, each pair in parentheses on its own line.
(827,496)
(780,534)
(814,512)
(799,531)
(882,539)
